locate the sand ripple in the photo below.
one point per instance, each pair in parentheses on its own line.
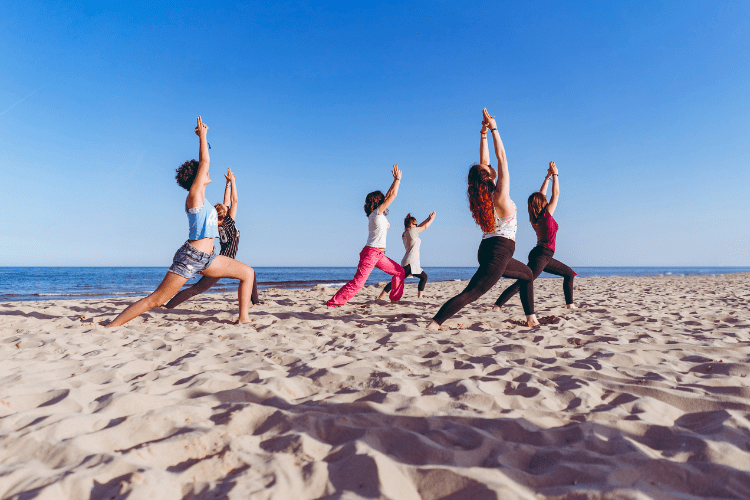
(642,393)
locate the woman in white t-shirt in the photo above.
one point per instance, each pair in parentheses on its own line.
(373,254)
(410,262)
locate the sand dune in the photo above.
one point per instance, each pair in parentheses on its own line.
(642,393)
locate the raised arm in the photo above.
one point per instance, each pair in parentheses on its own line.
(197,190)
(543,189)
(228,190)
(392,191)
(502,200)
(234,199)
(426,223)
(552,205)
(484,148)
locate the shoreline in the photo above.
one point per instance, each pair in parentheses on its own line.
(643,392)
(224,286)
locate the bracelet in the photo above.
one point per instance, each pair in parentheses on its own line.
(229,185)
(493,129)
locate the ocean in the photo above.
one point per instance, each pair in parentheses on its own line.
(56,283)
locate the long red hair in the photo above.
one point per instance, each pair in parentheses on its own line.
(480,192)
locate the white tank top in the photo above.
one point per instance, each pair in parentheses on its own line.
(377,227)
(504,226)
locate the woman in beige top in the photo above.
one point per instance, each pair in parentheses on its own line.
(410,262)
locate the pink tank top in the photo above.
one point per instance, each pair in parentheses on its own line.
(546,231)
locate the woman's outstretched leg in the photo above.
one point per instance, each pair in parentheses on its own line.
(167,288)
(493,255)
(559,269)
(224,267)
(368,257)
(397,282)
(484,278)
(538,258)
(198,288)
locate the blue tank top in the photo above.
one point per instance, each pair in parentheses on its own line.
(203,221)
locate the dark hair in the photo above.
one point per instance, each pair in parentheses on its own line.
(408,220)
(186,173)
(480,192)
(537,206)
(373,201)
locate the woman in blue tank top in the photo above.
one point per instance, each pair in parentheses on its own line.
(197,255)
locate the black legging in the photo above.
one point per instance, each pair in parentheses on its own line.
(496,260)
(407,269)
(201,286)
(540,259)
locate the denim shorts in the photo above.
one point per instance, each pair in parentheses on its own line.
(189,261)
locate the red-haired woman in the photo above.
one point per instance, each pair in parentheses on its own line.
(495,213)
(540,257)
(197,255)
(373,254)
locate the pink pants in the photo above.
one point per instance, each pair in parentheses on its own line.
(369,258)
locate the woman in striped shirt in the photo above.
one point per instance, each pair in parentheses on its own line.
(229,239)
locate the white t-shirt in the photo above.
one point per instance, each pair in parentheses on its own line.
(377,227)
(411,244)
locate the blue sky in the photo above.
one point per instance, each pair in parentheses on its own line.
(644,106)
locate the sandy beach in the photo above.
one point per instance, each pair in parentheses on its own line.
(642,393)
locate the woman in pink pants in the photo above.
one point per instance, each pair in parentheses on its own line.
(373,254)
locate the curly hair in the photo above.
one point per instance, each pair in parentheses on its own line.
(537,206)
(408,220)
(480,192)
(186,173)
(373,201)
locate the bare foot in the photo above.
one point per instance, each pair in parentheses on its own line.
(571,306)
(382,295)
(495,308)
(395,301)
(531,320)
(242,321)
(419,295)
(433,326)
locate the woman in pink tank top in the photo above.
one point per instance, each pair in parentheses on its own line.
(540,257)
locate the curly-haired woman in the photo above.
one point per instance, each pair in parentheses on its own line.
(540,257)
(197,255)
(373,254)
(495,213)
(229,240)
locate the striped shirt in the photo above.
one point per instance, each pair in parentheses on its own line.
(229,238)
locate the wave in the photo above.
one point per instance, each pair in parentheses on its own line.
(99,294)
(262,285)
